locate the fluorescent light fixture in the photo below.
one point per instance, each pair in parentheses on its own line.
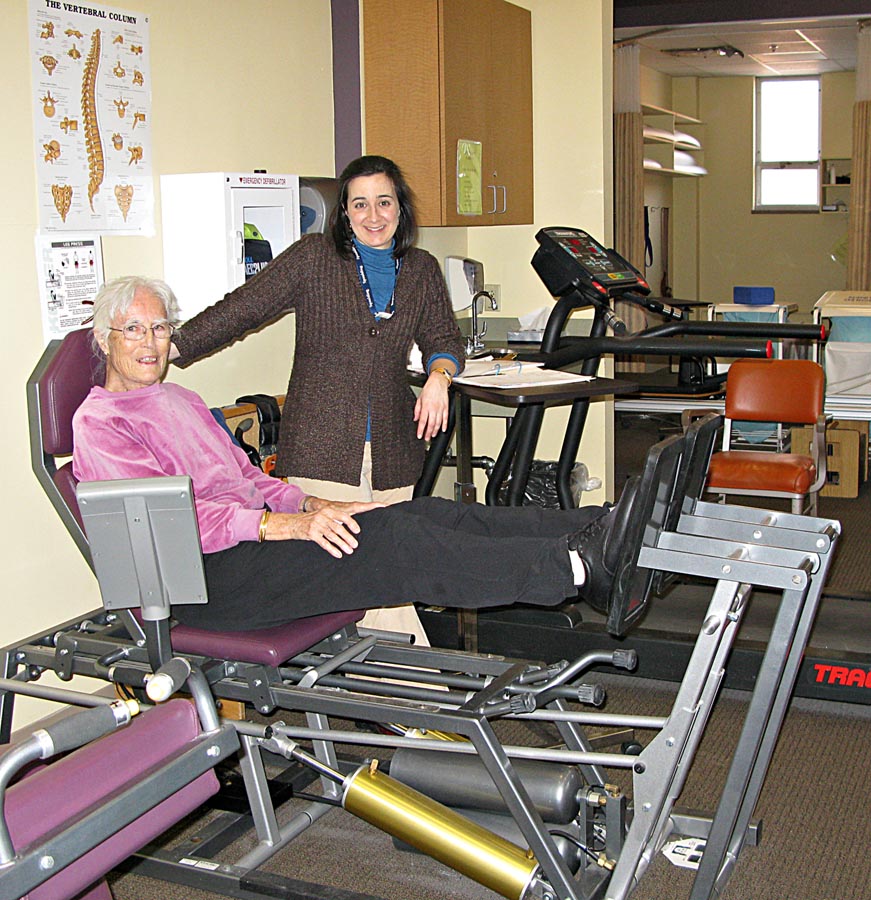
(720,50)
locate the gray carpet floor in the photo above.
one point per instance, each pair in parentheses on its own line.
(814,808)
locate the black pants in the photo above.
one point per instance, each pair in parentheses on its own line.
(428,550)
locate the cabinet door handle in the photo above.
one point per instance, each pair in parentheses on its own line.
(491,211)
(504,198)
(240,248)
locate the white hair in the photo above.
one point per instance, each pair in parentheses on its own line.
(115,297)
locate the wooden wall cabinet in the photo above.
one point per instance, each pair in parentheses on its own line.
(439,71)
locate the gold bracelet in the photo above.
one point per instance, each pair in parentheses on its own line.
(264,520)
(443,371)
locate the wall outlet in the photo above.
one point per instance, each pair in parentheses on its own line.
(495,290)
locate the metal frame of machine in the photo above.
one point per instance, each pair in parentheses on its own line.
(433,707)
(733,546)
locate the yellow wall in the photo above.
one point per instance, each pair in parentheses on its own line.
(656,88)
(239,86)
(572,132)
(236,86)
(717,241)
(789,251)
(837,97)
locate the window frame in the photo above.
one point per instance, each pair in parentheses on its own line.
(803,165)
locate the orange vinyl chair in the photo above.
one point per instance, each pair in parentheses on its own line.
(785,391)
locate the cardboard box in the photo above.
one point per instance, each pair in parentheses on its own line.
(846,456)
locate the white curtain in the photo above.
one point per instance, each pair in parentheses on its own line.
(859,229)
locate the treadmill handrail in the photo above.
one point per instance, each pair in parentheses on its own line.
(588,347)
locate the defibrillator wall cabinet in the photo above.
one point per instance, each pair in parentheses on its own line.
(220,228)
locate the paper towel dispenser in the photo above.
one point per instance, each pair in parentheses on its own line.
(465,278)
(317,198)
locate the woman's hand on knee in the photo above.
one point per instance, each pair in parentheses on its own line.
(331,525)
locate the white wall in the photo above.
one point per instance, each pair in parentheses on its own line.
(239,86)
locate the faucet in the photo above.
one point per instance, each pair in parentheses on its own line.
(474,342)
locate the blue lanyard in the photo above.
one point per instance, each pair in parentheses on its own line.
(367,290)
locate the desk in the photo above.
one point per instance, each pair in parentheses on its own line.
(532,399)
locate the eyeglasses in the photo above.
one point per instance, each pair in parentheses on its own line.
(136,331)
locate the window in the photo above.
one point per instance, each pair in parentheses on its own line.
(787,144)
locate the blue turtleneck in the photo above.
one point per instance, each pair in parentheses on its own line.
(381,271)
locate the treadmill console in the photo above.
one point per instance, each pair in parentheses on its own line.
(568,260)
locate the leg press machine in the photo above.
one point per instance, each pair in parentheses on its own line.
(447,785)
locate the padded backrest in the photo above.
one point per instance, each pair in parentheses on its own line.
(66,485)
(71,372)
(775,390)
(59,383)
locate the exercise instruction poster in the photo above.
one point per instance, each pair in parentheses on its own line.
(91,98)
(70,270)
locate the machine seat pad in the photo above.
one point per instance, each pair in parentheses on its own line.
(55,794)
(758,470)
(265,646)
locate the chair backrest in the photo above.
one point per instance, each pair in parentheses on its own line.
(64,375)
(775,390)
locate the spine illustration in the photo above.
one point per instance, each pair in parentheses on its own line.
(93,142)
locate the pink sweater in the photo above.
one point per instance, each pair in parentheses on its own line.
(166,429)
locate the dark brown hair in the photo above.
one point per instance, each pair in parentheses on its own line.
(406,229)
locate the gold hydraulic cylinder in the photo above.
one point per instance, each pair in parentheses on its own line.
(439,832)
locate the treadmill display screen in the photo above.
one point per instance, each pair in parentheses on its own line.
(569,260)
(590,254)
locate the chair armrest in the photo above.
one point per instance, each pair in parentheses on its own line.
(818,452)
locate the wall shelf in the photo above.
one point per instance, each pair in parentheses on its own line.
(665,140)
(835,193)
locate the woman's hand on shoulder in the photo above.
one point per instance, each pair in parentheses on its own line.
(330,524)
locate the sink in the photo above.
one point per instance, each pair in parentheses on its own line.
(495,352)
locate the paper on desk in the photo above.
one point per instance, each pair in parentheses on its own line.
(511,373)
(488,366)
(524,375)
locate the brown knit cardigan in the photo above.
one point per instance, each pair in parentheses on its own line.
(345,360)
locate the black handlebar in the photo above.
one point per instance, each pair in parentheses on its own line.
(772,330)
(589,347)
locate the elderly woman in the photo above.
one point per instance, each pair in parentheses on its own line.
(273,553)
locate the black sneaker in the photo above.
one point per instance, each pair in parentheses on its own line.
(599,543)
